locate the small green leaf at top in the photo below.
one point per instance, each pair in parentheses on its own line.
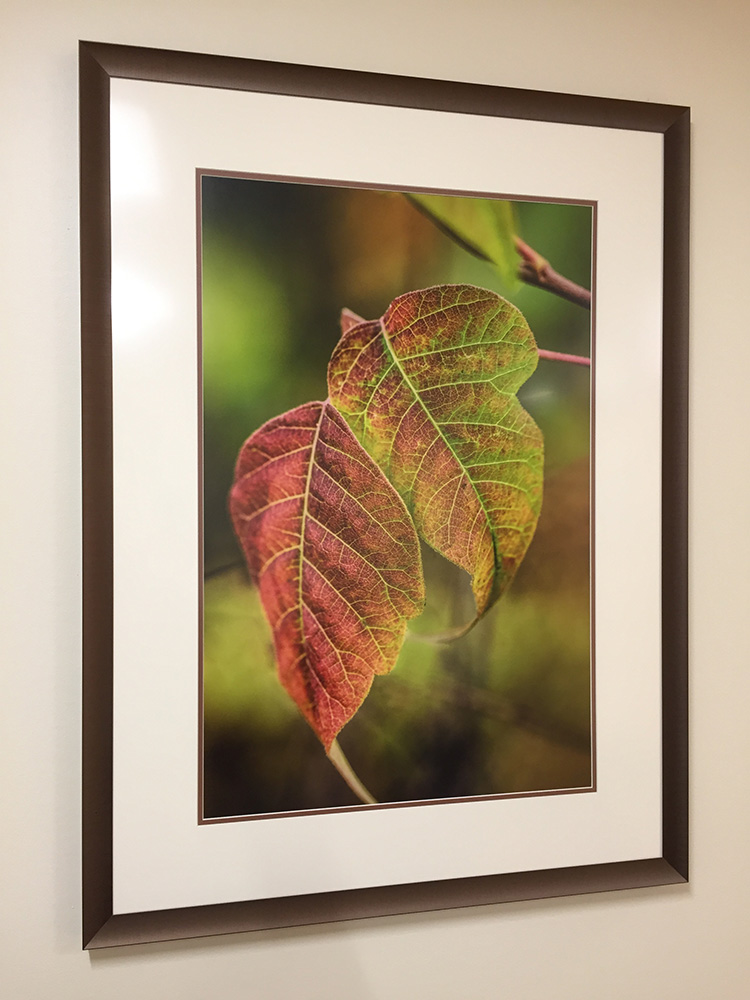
(486,227)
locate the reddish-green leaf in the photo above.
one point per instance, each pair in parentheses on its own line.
(430,391)
(335,556)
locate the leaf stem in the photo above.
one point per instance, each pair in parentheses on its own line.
(535,270)
(443,638)
(342,765)
(573,359)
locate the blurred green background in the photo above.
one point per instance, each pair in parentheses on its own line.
(505,709)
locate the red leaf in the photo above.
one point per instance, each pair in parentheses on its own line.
(335,556)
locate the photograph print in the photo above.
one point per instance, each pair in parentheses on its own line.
(396,495)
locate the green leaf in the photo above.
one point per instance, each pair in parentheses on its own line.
(486,227)
(335,556)
(430,391)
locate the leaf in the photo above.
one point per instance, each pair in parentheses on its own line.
(485,227)
(335,556)
(429,390)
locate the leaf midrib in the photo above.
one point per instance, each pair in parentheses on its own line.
(306,494)
(303,535)
(416,395)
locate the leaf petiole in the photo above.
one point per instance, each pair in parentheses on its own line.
(573,359)
(342,765)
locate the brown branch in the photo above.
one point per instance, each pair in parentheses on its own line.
(535,270)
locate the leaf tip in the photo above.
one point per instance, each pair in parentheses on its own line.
(349,319)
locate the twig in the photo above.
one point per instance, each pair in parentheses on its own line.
(535,270)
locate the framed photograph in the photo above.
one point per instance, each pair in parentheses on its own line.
(384,494)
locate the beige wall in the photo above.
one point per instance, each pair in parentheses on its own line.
(682,943)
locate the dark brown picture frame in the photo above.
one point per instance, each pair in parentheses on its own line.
(99,63)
